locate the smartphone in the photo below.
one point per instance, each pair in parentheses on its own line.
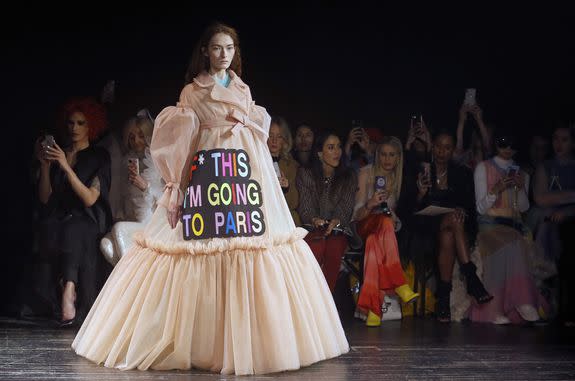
(512,170)
(48,141)
(379,184)
(277,169)
(469,99)
(134,161)
(426,167)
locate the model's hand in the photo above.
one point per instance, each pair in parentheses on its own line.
(174,216)
(501,185)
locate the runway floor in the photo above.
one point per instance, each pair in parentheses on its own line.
(411,349)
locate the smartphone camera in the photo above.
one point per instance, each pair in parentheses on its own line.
(380,182)
(133,161)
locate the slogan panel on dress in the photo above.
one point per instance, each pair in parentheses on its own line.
(221,199)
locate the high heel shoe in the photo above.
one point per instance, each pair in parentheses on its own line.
(72,321)
(475,287)
(443,311)
(406,293)
(372,320)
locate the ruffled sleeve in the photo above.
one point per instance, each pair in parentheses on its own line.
(260,116)
(175,132)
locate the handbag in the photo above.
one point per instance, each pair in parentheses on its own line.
(390,309)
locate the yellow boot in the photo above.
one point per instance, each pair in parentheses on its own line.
(372,320)
(406,293)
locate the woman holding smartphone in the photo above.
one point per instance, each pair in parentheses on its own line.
(444,183)
(141,187)
(504,241)
(380,185)
(73,189)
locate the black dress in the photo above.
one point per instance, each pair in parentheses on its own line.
(460,193)
(69,235)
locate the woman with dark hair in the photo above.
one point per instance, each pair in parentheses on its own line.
(501,193)
(327,190)
(73,190)
(220,278)
(303,145)
(447,184)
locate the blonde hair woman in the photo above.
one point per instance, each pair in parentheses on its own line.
(377,197)
(280,144)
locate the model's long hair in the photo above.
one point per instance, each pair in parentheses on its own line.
(200,62)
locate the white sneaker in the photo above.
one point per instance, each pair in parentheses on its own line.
(501,320)
(528,312)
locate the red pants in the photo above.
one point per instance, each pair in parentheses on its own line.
(381,268)
(328,251)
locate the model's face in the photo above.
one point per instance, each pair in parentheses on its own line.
(220,51)
(388,157)
(276,140)
(78,127)
(331,151)
(562,142)
(136,139)
(303,139)
(443,149)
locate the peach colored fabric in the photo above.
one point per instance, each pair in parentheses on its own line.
(245,305)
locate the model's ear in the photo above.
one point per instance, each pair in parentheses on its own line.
(204,51)
(320,155)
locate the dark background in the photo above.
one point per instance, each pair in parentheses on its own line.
(319,66)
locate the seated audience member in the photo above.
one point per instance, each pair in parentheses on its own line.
(446,184)
(140,187)
(327,193)
(304,140)
(279,144)
(554,193)
(73,186)
(504,242)
(376,202)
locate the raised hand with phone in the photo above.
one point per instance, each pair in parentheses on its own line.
(418,133)
(134,174)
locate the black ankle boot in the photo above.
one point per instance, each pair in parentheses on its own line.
(443,301)
(475,287)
